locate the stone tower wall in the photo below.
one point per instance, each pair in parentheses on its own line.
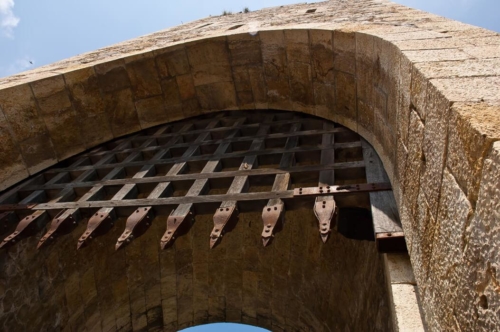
(422,89)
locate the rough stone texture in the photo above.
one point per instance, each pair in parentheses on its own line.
(422,89)
(297,283)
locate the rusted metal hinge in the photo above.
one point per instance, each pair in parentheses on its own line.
(271,215)
(137,223)
(63,223)
(26,227)
(342,189)
(325,210)
(95,224)
(173,224)
(221,218)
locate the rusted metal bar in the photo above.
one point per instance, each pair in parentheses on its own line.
(274,211)
(342,189)
(137,224)
(178,216)
(228,208)
(33,222)
(325,208)
(106,216)
(248,171)
(144,216)
(203,157)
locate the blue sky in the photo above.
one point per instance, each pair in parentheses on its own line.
(47,31)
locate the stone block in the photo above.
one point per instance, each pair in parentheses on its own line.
(112,76)
(469,89)
(89,106)
(345,95)
(321,50)
(259,89)
(414,163)
(38,153)
(216,96)
(144,78)
(483,52)
(11,161)
(65,134)
(209,61)
(121,112)
(365,64)
(477,306)
(243,87)
(472,129)
(449,242)
(151,111)
(300,85)
(432,44)
(467,68)
(434,145)
(19,107)
(185,86)
(418,92)
(274,54)
(448,54)
(297,46)
(324,99)
(172,61)
(404,92)
(344,50)
(244,49)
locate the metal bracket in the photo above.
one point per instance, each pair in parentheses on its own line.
(221,218)
(342,189)
(173,223)
(24,228)
(95,222)
(391,242)
(270,217)
(142,217)
(65,219)
(325,210)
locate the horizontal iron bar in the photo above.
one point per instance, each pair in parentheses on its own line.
(207,157)
(198,131)
(197,176)
(173,201)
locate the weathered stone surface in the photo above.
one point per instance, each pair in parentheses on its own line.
(434,146)
(344,48)
(89,106)
(339,63)
(477,126)
(449,242)
(481,260)
(469,89)
(436,55)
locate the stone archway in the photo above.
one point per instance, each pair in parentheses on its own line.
(422,89)
(297,282)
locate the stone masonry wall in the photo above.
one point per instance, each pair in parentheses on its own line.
(422,89)
(296,284)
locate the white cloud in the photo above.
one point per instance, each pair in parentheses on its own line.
(8,21)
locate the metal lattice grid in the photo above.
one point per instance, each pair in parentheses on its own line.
(220,164)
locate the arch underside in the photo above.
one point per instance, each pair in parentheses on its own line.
(421,89)
(297,283)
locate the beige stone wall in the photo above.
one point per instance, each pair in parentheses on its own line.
(422,89)
(296,284)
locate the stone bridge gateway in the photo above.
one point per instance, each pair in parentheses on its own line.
(422,89)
